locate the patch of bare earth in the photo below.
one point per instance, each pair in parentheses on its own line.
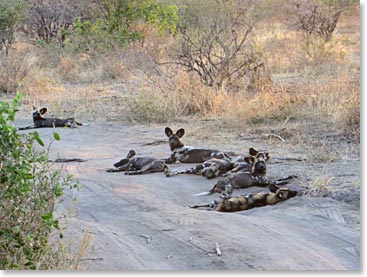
(144,223)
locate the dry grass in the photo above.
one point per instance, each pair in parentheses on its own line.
(311,79)
(319,185)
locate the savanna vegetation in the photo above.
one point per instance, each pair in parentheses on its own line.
(154,61)
(146,61)
(30,188)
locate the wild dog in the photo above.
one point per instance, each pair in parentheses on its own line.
(249,201)
(241,180)
(138,165)
(223,163)
(185,154)
(211,168)
(39,121)
(254,162)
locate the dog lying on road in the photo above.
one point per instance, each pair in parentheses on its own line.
(244,179)
(41,122)
(185,154)
(138,165)
(222,164)
(246,202)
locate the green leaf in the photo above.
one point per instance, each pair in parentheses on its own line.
(38,139)
(47,216)
(56,136)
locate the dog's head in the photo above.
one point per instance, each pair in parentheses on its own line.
(210,172)
(258,160)
(174,138)
(281,194)
(130,155)
(220,186)
(38,114)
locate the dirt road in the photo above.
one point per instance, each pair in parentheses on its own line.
(144,223)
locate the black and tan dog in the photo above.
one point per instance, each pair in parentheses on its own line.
(244,179)
(211,168)
(222,163)
(41,122)
(138,165)
(254,162)
(185,154)
(246,202)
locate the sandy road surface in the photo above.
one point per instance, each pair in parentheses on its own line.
(143,222)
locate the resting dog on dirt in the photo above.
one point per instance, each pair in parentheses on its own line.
(247,164)
(246,202)
(245,179)
(222,164)
(41,122)
(138,165)
(185,154)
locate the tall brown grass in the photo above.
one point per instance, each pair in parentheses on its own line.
(310,79)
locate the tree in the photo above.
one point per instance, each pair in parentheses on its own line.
(11,14)
(318,17)
(220,50)
(116,20)
(50,20)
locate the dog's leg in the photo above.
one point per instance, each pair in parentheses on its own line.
(171,160)
(227,192)
(119,169)
(27,128)
(193,170)
(283,181)
(155,166)
(114,170)
(211,206)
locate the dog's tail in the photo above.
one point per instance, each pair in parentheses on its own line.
(204,193)
(200,206)
(209,192)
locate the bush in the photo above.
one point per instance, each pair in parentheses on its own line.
(219,49)
(14,69)
(12,13)
(116,22)
(29,188)
(316,51)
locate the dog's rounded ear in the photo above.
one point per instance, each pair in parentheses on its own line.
(273,188)
(180,132)
(43,110)
(249,159)
(252,151)
(34,108)
(131,154)
(267,156)
(168,131)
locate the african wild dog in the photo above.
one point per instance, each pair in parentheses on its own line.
(246,202)
(138,165)
(211,168)
(41,122)
(223,163)
(247,164)
(183,153)
(245,179)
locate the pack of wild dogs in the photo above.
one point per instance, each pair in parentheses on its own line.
(234,171)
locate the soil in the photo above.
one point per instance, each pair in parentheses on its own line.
(143,222)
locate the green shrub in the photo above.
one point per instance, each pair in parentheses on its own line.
(12,12)
(29,189)
(116,22)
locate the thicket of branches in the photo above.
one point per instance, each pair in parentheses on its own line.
(214,37)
